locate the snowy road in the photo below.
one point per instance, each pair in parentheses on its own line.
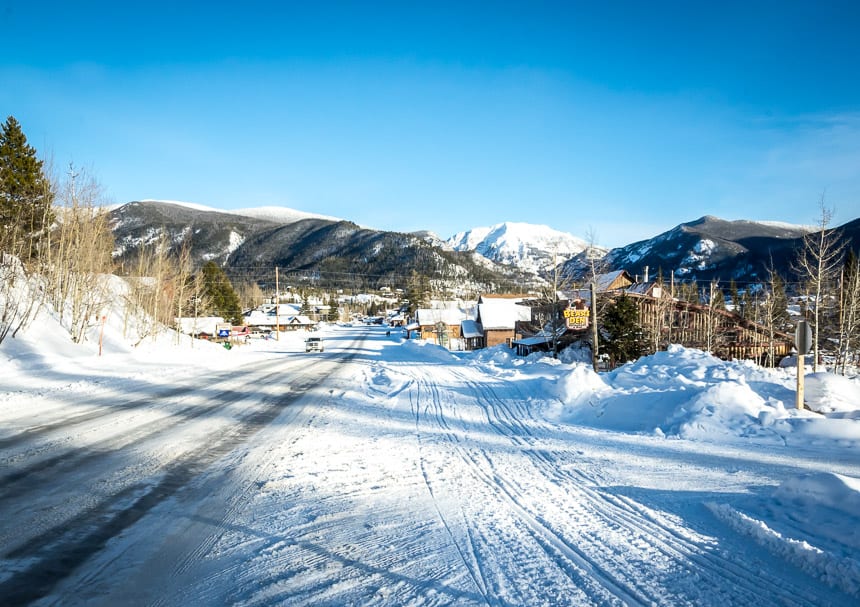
(373,474)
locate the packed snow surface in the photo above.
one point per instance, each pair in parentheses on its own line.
(389,472)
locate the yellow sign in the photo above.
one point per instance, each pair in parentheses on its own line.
(576,318)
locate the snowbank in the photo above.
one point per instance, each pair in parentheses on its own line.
(681,393)
(690,394)
(822,511)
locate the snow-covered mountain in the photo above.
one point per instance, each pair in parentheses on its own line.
(708,248)
(530,247)
(276,214)
(281,237)
(281,214)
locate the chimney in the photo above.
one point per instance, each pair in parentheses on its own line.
(646,274)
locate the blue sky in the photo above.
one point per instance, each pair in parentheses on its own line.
(619,119)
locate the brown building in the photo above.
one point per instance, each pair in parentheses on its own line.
(497,318)
(665,320)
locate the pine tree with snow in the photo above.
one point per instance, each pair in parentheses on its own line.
(623,333)
(26,194)
(333,310)
(220,293)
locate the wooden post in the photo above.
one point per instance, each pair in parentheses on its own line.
(800,362)
(102,333)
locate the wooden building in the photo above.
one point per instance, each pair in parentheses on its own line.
(439,324)
(498,316)
(664,321)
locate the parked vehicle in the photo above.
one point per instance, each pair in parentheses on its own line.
(314,344)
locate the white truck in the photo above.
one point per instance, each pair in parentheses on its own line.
(314,344)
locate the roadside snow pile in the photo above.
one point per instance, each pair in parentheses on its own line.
(811,521)
(829,393)
(691,394)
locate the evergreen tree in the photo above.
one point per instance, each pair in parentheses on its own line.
(219,292)
(735,296)
(624,339)
(417,292)
(26,195)
(333,311)
(305,310)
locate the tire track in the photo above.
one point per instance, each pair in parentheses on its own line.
(599,586)
(54,554)
(619,515)
(470,562)
(33,477)
(108,408)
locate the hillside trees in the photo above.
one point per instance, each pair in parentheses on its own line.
(58,257)
(78,261)
(152,290)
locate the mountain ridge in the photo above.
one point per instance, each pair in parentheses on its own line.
(509,253)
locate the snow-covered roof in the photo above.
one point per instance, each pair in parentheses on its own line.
(502,314)
(603,282)
(201,324)
(449,316)
(299,319)
(258,317)
(501,297)
(470,328)
(534,340)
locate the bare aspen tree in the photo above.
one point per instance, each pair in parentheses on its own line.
(184,269)
(80,259)
(14,295)
(597,266)
(138,323)
(556,321)
(818,264)
(771,310)
(713,318)
(661,319)
(849,330)
(250,294)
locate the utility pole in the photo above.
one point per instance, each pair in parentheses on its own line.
(277,308)
(595,347)
(595,354)
(554,320)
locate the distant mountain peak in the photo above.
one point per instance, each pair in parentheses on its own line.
(531,247)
